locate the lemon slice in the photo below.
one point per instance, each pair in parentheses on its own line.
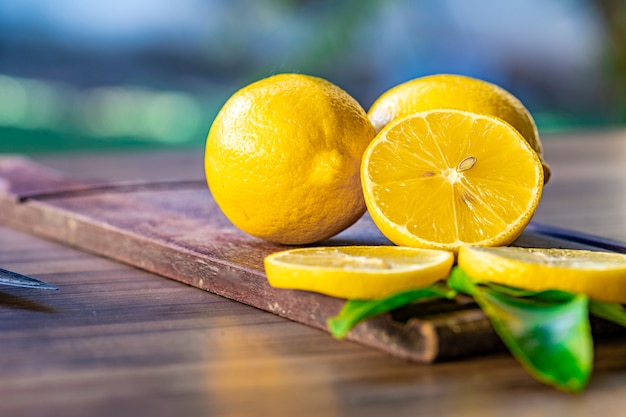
(357,272)
(442,179)
(600,275)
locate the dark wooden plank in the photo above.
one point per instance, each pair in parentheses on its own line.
(118,341)
(176,230)
(181,234)
(20,179)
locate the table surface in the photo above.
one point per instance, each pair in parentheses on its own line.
(115,340)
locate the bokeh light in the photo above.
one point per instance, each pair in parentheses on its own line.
(112,73)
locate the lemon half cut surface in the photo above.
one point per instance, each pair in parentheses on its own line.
(599,275)
(452,91)
(357,272)
(442,179)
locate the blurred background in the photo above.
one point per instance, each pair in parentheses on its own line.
(80,75)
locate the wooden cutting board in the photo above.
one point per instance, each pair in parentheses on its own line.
(175,229)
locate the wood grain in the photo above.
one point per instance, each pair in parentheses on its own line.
(116,340)
(175,229)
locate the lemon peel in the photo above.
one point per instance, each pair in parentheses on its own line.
(451,91)
(599,275)
(442,179)
(282,159)
(357,272)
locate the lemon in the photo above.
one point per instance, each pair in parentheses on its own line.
(600,275)
(442,179)
(357,272)
(448,91)
(283,156)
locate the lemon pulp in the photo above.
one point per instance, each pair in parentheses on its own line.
(357,272)
(445,178)
(600,275)
(451,91)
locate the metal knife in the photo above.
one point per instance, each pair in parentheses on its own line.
(578,237)
(18,280)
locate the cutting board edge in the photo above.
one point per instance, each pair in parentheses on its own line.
(416,341)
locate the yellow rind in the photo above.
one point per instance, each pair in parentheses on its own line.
(403,237)
(599,275)
(366,281)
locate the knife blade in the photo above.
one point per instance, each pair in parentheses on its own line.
(18,280)
(578,237)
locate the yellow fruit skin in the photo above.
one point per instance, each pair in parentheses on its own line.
(598,283)
(449,91)
(411,206)
(361,283)
(283,156)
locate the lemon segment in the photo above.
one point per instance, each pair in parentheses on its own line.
(599,275)
(442,179)
(450,91)
(357,272)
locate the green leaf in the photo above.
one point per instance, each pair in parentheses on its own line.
(355,311)
(461,282)
(555,296)
(609,311)
(512,291)
(548,332)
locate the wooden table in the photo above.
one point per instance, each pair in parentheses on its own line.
(119,341)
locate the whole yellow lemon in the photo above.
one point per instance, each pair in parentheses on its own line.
(283,158)
(457,92)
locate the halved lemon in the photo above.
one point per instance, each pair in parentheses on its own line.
(357,272)
(600,275)
(442,179)
(452,91)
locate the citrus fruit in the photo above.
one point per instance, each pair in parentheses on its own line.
(600,275)
(283,156)
(446,178)
(357,272)
(449,91)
